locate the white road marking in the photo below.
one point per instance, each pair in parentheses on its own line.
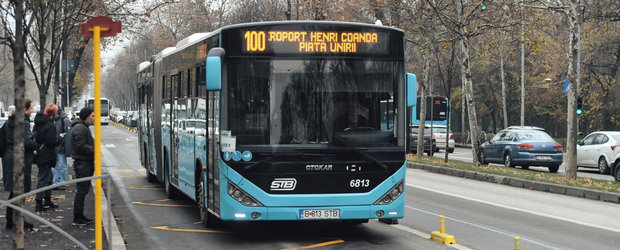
(109,146)
(519,209)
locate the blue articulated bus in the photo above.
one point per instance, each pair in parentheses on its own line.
(302,120)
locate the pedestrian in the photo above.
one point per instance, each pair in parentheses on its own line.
(47,140)
(63,150)
(7,160)
(83,154)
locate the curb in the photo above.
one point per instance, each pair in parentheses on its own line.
(117,239)
(130,129)
(521,183)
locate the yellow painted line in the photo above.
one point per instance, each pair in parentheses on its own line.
(122,170)
(164,200)
(161,205)
(132,176)
(166,228)
(336,241)
(141,170)
(143,188)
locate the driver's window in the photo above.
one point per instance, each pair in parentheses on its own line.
(499,137)
(589,140)
(600,139)
(508,136)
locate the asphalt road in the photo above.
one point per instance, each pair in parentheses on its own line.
(480,215)
(464,154)
(148,220)
(484,215)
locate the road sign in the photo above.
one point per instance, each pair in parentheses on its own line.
(566,86)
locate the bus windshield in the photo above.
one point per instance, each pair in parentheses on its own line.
(337,102)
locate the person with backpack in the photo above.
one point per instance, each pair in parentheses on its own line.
(83,152)
(63,125)
(47,140)
(7,158)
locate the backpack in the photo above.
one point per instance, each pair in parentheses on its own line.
(3,141)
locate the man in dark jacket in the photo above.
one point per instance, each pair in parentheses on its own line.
(83,154)
(63,124)
(7,160)
(47,140)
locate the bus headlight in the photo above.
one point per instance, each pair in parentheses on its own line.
(242,197)
(391,195)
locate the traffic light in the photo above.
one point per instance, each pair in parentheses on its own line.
(62,90)
(73,93)
(579,105)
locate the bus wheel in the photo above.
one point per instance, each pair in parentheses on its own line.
(170,190)
(206,218)
(150,177)
(200,198)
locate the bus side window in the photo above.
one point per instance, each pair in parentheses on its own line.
(201,85)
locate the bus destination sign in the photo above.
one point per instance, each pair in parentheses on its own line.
(315,42)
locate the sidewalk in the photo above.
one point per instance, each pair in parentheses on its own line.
(44,237)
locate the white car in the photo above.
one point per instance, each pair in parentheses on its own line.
(615,167)
(439,134)
(597,150)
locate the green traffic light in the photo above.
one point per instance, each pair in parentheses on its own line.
(484,7)
(579,111)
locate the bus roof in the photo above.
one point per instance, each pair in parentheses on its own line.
(142,66)
(337,23)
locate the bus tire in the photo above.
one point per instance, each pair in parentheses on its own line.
(150,177)
(170,190)
(206,218)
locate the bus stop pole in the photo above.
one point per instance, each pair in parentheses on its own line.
(97,71)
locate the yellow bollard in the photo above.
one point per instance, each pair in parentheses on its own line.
(441,236)
(517,243)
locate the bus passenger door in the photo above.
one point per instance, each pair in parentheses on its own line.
(185,150)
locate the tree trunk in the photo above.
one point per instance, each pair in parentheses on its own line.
(503,76)
(18,131)
(469,96)
(422,104)
(573,92)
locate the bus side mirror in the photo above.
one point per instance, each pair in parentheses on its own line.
(412,89)
(214,69)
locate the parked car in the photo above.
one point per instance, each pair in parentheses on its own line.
(615,165)
(597,150)
(523,146)
(439,134)
(413,140)
(132,118)
(120,115)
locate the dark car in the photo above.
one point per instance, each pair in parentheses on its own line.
(413,140)
(523,146)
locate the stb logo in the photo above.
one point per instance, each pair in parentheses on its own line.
(283,184)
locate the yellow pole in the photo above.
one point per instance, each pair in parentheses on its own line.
(442,226)
(97,70)
(517,243)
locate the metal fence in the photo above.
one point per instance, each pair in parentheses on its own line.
(108,185)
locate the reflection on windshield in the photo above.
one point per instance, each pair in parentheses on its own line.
(311,101)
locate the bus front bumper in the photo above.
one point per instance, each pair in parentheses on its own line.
(233,210)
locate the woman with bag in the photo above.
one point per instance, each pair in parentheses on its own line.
(45,135)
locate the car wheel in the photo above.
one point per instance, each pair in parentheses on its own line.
(430,153)
(525,167)
(508,161)
(451,150)
(554,169)
(484,159)
(617,173)
(603,168)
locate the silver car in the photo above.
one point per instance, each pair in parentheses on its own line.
(439,133)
